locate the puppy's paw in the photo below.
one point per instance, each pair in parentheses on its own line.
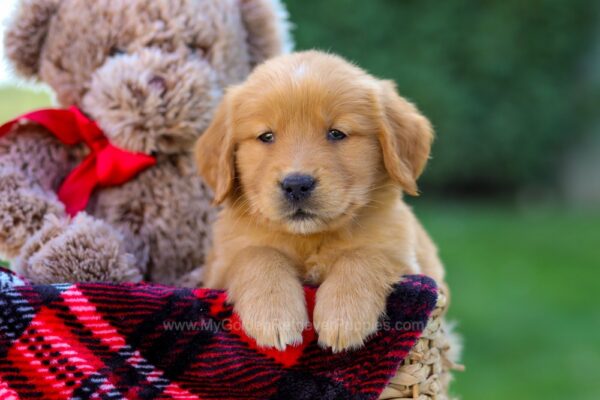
(274,320)
(344,320)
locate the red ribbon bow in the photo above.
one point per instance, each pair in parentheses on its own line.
(106,165)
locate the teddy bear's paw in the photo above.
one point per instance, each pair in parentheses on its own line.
(82,250)
(343,321)
(272,321)
(22,212)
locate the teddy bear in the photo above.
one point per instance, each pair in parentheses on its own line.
(143,76)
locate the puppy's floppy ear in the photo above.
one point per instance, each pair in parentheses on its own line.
(405,136)
(26,34)
(267,27)
(215,152)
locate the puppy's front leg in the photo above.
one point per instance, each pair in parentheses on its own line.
(352,298)
(267,294)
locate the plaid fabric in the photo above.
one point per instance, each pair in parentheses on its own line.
(146,341)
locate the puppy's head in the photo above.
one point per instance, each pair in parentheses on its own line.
(307,141)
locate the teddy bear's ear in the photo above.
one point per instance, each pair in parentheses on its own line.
(26,34)
(268,29)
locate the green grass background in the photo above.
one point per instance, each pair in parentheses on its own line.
(524,290)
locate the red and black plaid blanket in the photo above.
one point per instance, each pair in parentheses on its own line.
(146,341)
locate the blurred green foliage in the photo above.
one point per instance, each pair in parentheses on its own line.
(500,80)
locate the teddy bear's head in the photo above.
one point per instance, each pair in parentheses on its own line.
(150,72)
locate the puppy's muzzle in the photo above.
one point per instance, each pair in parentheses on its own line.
(297,188)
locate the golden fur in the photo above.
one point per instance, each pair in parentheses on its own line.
(360,237)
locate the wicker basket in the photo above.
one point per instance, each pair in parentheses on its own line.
(426,371)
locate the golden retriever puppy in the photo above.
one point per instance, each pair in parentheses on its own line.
(310,157)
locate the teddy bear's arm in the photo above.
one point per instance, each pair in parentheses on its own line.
(165,216)
(47,246)
(32,165)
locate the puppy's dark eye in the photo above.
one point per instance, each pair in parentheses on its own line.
(335,135)
(267,137)
(115,51)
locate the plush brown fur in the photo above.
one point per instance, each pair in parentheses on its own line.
(360,238)
(150,73)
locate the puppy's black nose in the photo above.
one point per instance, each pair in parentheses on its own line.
(298,187)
